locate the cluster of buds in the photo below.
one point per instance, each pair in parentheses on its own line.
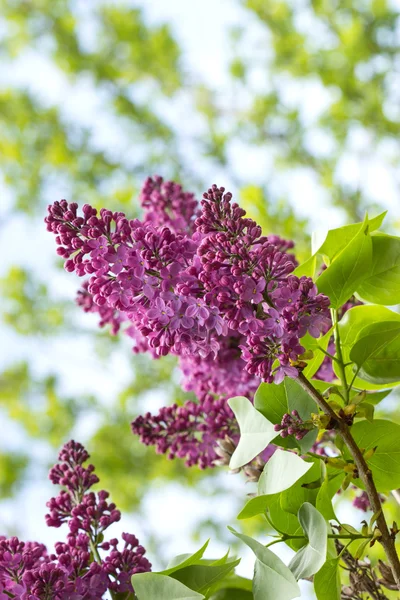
(224,450)
(293,424)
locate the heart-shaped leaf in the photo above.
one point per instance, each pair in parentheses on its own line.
(281,471)
(272,578)
(153,586)
(256,432)
(348,269)
(309,559)
(377,352)
(383,284)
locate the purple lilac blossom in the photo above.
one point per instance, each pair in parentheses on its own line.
(188,279)
(29,572)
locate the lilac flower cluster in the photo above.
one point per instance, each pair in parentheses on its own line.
(200,282)
(75,570)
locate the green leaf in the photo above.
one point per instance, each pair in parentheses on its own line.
(383,284)
(325,494)
(232,594)
(316,345)
(360,549)
(273,401)
(200,578)
(307,269)
(292,499)
(337,239)
(272,578)
(341,279)
(377,352)
(311,557)
(350,327)
(385,462)
(281,471)
(256,432)
(234,588)
(185,560)
(256,506)
(153,586)
(293,496)
(327,585)
(286,522)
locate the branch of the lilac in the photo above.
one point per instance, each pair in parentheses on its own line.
(365,474)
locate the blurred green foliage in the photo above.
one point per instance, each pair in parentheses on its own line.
(28,307)
(322,72)
(41,145)
(283,56)
(36,404)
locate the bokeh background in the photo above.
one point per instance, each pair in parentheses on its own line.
(292,105)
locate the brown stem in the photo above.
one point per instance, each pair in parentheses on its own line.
(365,475)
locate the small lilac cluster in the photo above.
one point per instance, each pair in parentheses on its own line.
(293,424)
(189,431)
(200,282)
(75,570)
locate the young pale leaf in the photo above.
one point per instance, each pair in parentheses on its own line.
(377,352)
(349,268)
(383,284)
(385,462)
(311,557)
(272,578)
(281,471)
(256,432)
(153,586)
(327,584)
